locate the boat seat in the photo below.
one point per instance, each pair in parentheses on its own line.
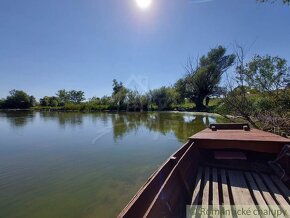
(221,186)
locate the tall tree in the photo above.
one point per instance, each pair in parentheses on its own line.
(117,86)
(119,94)
(76,96)
(202,80)
(19,99)
(63,96)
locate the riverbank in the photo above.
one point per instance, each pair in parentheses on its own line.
(88,107)
(60,109)
(227,118)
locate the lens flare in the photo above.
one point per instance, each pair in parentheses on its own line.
(144,4)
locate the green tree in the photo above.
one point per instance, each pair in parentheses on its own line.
(33,101)
(72,96)
(133,100)
(76,96)
(164,97)
(267,74)
(117,86)
(144,102)
(262,96)
(63,96)
(119,94)
(19,99)
(44,101)
(52,101)
(202,81)
(95,100)
(2,101)
(106,100)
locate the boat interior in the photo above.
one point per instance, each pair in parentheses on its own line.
(198,175)
(250,181)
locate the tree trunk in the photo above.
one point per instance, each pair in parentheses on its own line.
(199,104)
(207,101)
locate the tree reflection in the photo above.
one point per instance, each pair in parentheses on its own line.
(64,118)
(182,125)
(74,119)
(123,123)
(18,119)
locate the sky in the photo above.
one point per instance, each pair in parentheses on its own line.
(85,44)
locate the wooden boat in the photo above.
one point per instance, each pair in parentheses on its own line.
(225,164)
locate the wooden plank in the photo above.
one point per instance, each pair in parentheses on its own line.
(264,191)
(281,186)
(215,191)
(196,192)
(225,191)
(256,192)
(205,195)
(241,193)
(239,135)
(215,194)
(272,188)
(225,196)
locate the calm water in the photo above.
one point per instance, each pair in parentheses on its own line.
(58,165)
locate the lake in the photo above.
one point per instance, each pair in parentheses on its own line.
(67,164)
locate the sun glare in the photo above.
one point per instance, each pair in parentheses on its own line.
(143,4)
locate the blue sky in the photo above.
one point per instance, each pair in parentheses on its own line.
(84,44)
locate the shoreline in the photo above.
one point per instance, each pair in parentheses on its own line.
(112,111)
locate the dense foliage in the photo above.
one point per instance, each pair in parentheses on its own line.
(18,99)
(62,98)
(262,94)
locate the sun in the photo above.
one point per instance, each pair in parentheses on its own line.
(143,4)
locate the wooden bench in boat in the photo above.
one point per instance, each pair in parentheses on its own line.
(218,186)
(193,176)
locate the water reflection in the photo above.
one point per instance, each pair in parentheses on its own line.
(182,125)
(63,118)
(18,119)
(50,159)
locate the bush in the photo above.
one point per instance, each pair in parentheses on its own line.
(18,100)
(187,106)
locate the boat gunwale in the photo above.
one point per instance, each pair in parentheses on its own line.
(174,159)
(169,177)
